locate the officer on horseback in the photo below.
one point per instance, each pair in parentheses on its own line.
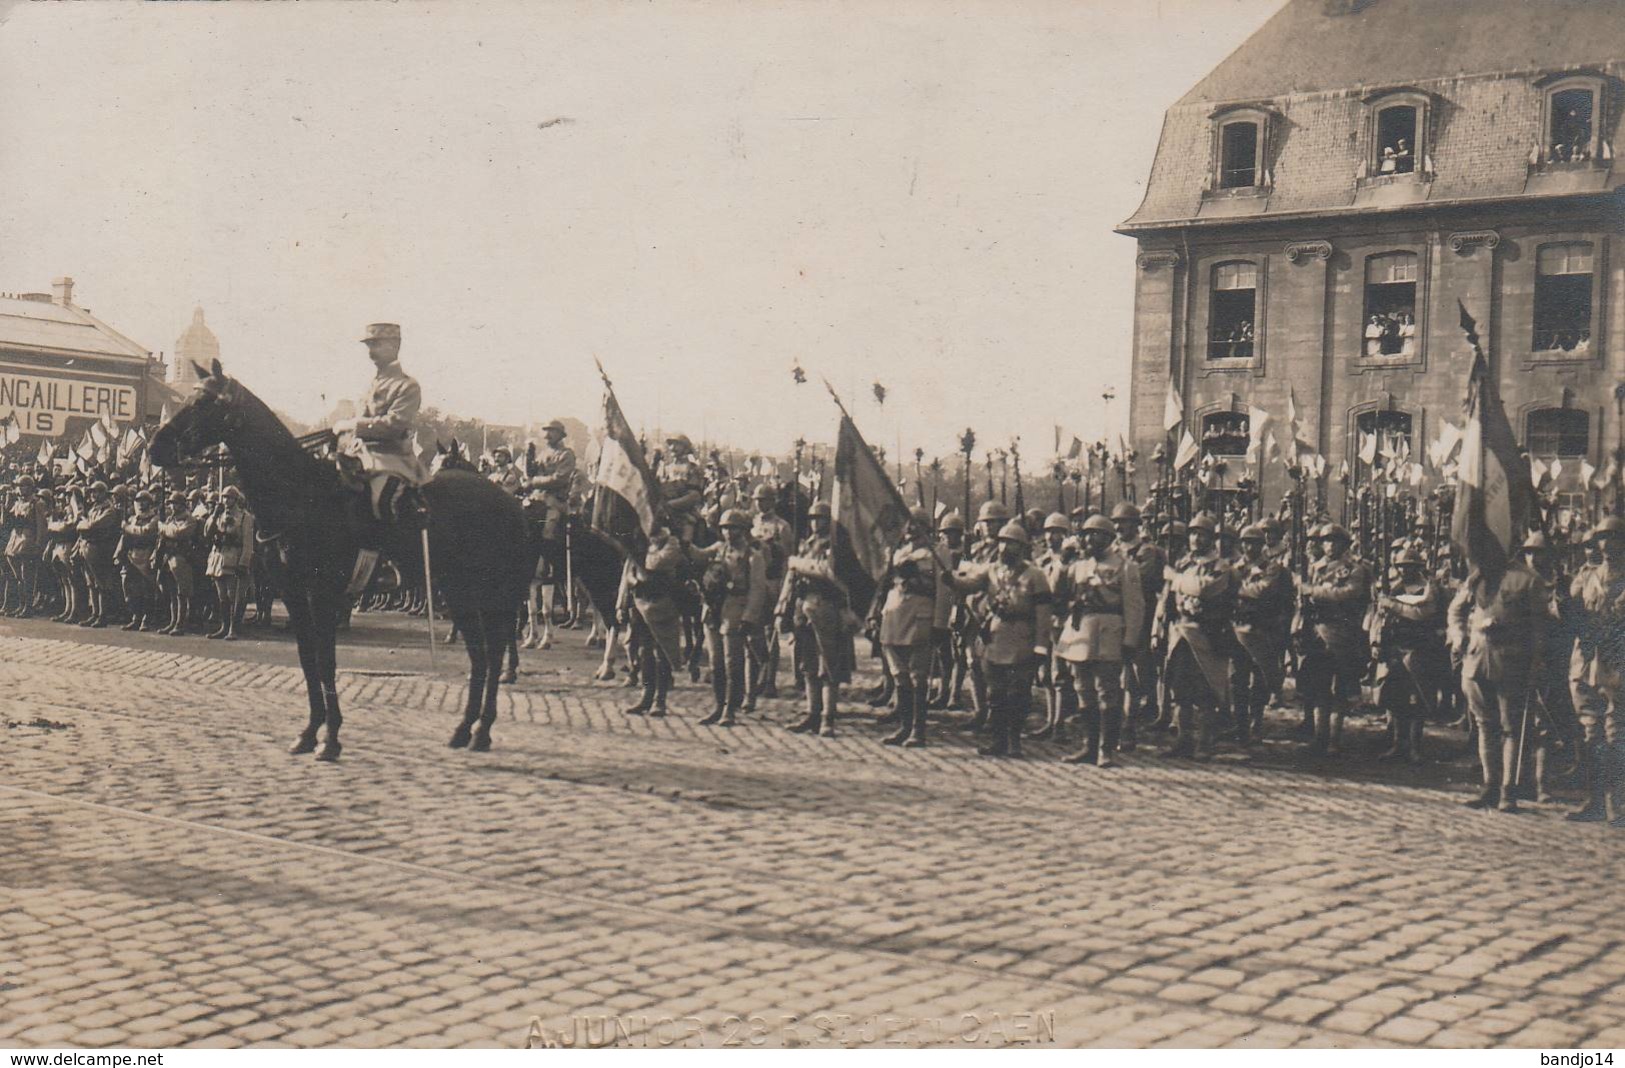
(382,440)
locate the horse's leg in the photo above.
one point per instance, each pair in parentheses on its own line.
(511,647)
(606,667)
(498,625)
(477,668)
(326,608)
(299,617)
(549,595)
(532,593)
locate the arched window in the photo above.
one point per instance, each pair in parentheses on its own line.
(1390,305)
(1558,432)
(1233,311)
(1225,433)
(1563,298)
(1396,140)
(1571,133)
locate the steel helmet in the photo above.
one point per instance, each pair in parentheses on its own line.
(554,424)
(1174,529)
(992,512)
(819,508)
(681,439)
(25,482)
(920,517)
(1203,521)
(1057,521)
(98,487)
(232,493)
(144,496)
(1335,532)
(1125,510)
(762,491)
(1035,517)
(733,517)
(1100,524)
(1014,531)
(951,521)
(1409,557)
(502,450)
(1253,532)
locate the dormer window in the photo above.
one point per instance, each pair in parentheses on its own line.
(1397,133)
(1241,147)
(1571,129)
(1238,155)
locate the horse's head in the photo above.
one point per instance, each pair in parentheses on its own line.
(208,418)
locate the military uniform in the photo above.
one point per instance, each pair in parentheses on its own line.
(682,485)
(1201,593)
(509,477)
(1018,599)
(1101,604)
(177,538)
(98,531)
(1139,666)
(1336,648)
(25,545)
(383,437)
(551,477)
(1263,613)
(1411,664)
(136,549)
(1597,680)
(647,601)
(1493,630)
(735,590)
(905,609)
(813,606)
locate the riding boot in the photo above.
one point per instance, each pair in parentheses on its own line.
(815,710)
(1489,758)
(1321,732)
(1613,783)
(916,736)
(647,701)
(979,699)
(1511,772)
(1185,723)
(1595,810)
(999,728)
(1205,730)
(1413,745)
(1543,759)
(1111,729)
(905,717)
(715,717)
(831,696)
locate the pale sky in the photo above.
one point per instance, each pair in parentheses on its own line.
(919,193)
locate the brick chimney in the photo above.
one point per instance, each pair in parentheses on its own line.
(62,289)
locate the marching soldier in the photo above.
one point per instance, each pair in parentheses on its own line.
(1410,664)
(1200,600)
(1140,668)
(1263,610)
(901,618)
(1597,673)
(1493,629)
(735,588)
(1100,599)
(1018,637)
(813,606)
(1336,647)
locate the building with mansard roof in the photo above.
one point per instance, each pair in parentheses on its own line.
(1322,200)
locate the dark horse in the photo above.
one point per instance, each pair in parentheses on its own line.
(301,504)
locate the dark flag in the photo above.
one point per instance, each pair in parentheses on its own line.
(1469,326)
(868,515)
(1493,495)
(625,494)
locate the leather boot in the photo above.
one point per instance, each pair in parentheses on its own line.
(831,692)
(1489,758)
(916,736)
(1510,771)
(815,710)
(999,744)
(905,716)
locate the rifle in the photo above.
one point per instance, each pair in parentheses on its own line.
(1015,458)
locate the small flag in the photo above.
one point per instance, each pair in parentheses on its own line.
(880,394)
(1537,472)
(1468,325)
(97,434)
(1368,448)
(1076,449)
(1556,468)
(1587,472)
(44,457)
(1187,451)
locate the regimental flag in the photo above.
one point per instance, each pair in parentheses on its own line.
(625,494)
(1173,409)
(868,515)
(1493,492)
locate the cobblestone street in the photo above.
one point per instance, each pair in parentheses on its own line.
(170,876)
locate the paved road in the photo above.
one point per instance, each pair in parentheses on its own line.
(169,876)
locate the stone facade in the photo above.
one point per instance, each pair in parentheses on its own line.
(1486,210)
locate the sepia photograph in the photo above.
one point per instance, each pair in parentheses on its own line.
(851,524)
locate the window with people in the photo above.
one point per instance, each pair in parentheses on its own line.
(1396,140)
(1390,305)
(1569,137)
(1233,311)
(1558,433)
(1383,433)
(1225,433)
(1563,298)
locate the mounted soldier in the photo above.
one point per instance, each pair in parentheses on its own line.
(381,443)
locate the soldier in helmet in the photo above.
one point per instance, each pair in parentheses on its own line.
(948,661)
(1335,644)
(776,539)
(382,439)
(1263,610)
(504,472)
(1018,634)
(1034,522)
(229,531)
(1140,668)
(735,590)
(1200,601)
(813,606)
(647,607)
(135,553)
(1099,599)
(1059,549)
(177,535)
(1597,673)
(28,526)
(547,506)
(1552,722)
(1409,653)
(1494,623)
(682,484)
(98,536)
(990,519)
(901,618)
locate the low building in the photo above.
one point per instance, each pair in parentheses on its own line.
(1321,202)
(61,368)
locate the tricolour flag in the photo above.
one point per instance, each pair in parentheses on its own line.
(625,494)
(1173,409)
(1187,451)
(1493,492)
(868,515)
